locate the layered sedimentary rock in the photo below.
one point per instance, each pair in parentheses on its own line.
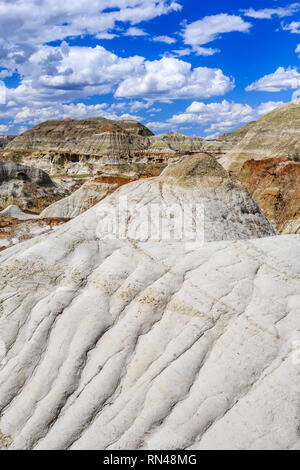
(27,187)
(104,138)
(274,184)
(82,146)
(118,343)
(237,135)
(177,144)
(5,139)
(276,134)
(93,136)
(85,197)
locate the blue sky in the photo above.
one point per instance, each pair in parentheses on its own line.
(201,68)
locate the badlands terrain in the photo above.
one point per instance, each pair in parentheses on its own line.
(153,302)
(5,139)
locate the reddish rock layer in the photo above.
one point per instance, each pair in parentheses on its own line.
(274,184)
(13,231)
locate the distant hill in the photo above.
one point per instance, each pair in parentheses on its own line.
(236,136)
(67,141)
(91,136)
(276,134)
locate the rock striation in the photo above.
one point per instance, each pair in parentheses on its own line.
(93,136)
(276,134)
(177,144)
(274,183)
(229,211)
(118,343)
(82,146)
(27,187)
(237,135)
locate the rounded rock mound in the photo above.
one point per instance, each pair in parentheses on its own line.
(196,188)
(229,210)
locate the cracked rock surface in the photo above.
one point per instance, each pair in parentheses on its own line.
(112,343)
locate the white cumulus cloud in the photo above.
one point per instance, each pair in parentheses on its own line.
(223,116)
(3,128)
(210,28)
(33,116)
(27,24)
(159,126)
(63,74)
(267,13)
(267,107)
(293,27)
(165,39)
(171,78)
(281,79)
(134,31)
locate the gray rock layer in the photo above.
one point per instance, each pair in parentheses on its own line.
(15,171)
(93,136)
(27,187)
(277,134)
(113,141)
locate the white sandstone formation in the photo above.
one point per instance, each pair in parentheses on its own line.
(118,343)
(230,212)
(85,197)
(16,213)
